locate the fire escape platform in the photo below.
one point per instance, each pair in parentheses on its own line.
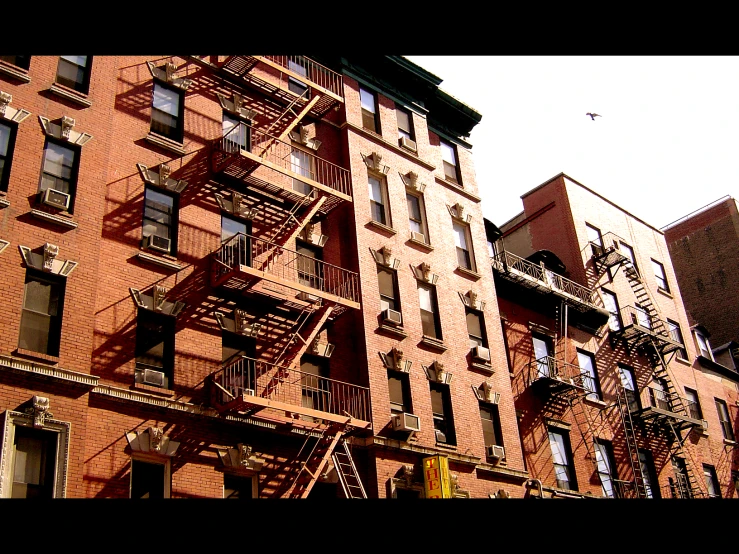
(654,413)
(636,335)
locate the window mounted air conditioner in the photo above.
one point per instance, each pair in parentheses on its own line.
(481,353)
(307,297)
(406,422)
(420,237)
(56,198)
(392,317)
(408,143)
(155,242)
(248,392)
(495,452)
(155,378)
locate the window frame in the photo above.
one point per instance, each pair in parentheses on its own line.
(445,419)
(712,485)
(148,323)
(368,114)
(241,138)
(302,162)
(676,334)
(632,394)
(74,168)
(438,336)
(724,418)
(176,132)
(403,379)
(565,466)
(630,253)
(467,254)
(81,86)
(606,467)
(151,460)
(172,227)
(412,221)
(692,396)
(702,340)
(248,480)
(483,338)
(7,157)
(660,278)
(494,435)
(379,208)
(384,298)
(54,334)
(539,339)
(294,85)
(409,132)
(615,318)
(448,147)
(649,473)
(22,62)
(594,392)
(590,231)
(309,266)
(314,386)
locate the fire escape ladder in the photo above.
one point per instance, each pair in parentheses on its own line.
(644,299)
(687,485)
(347,471)
(639,489)
(320,454)
(293,224)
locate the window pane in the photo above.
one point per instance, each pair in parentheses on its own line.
(386,282)
(231,227)
(77,60)
(4,139)
(368,100)
(58,160)
(147,480)
(414,207)
(588,373)
(166,100)
(34,332)
(594,235)
(375,190)
(424,298)
(460,236)
(447,154)
(395,386)
(474,326)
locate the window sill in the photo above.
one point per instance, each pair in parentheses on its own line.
(446,445)
(595,402)
(170,263)
(682,360)
(469,273)
(433,343)
(168,144)
(382,227)
(394,331)
(458,189)
(3,202)
(71,95)
(664,292)
(22,352)
(486,368)
(55,219)
(421,245)
(730,442)
(153,390)
(14,72)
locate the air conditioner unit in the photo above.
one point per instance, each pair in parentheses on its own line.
(248,392)
(155,242)
(481,353)
(307,297)
(56,198)
(155,378)
(392,317)
(406,422)
(407,143)
(420,237)
(495,452)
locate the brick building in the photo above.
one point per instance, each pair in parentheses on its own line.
(245,276)
(613,395)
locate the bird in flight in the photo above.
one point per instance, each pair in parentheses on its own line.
(593,115)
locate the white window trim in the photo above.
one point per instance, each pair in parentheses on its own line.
(153,459)
(8,422)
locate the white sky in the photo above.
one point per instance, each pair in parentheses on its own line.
(667,142)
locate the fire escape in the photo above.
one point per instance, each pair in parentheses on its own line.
(304,188)
(641,329)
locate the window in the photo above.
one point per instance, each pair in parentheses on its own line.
(41,317)
(369,110)
(703,345)
(34,463)
(462,241)
(449,159)
(724,419)
(714,489)
(542,354)
(239,487)
(681,485)
(649,475)
(160,221)
(606,467)
(589,374)
(491,429)
(24,62)
(626,375)
(659,275)
(388,284)
(300,163)
(441,408)
(379,201)
(149,479)
(60,169)
(238,251)
(314,383)
(7,144)
(564,471)
(154,348)
(611,304)
(476,328)
(242,373)
(694,406)
(399,388)
(405,124)
(74,72)
(417,217)
(429,311)
(296,64)
(658,394)
(310,268)
(167,112)
(642,317)
(595,239)
(629,253)
(235,134)
(677,335)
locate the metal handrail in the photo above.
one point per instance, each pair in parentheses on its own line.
(250,251)
(314,72)
(549,367)
(659,398)
(278,153)
(253,377)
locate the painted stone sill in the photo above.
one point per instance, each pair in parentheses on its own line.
(71,95)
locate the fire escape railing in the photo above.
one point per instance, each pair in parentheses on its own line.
(313,71)
(547,367)
(286,264)
(252,377)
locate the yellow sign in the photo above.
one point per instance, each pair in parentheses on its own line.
(436,477)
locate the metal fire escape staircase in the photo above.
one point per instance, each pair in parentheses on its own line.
(329,446)
(637,489)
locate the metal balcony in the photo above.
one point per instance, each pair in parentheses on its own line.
(636,327)
(660,407)
(248,386)
(558,376)
(244,260)
(267,164)
(607,254)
